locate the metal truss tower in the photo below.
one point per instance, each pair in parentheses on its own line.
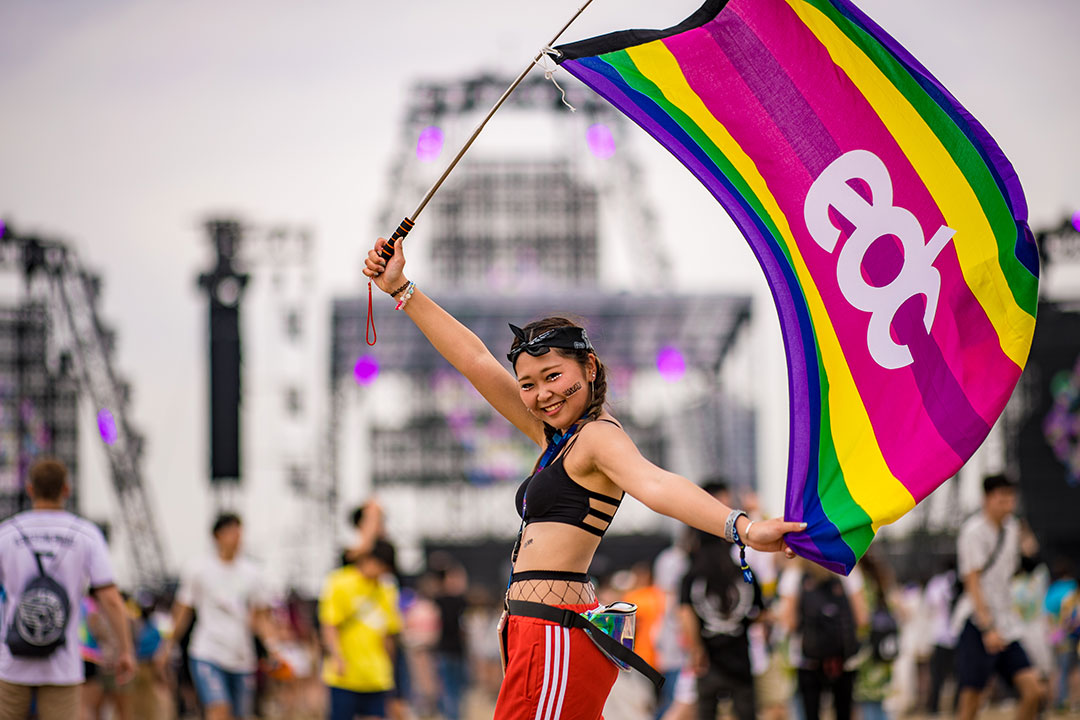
(56,278)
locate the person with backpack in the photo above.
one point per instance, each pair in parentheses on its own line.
(988,554)
(48,559)
(822,612)
(873,679)
(716,610)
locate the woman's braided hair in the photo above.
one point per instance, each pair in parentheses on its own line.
(597,388)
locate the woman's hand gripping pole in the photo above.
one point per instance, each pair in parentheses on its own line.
(377,267)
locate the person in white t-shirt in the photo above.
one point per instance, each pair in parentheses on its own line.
(73,552)
(226,593)
(987,555)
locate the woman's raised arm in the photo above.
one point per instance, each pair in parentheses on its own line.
(455,342)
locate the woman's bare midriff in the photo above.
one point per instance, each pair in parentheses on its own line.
(555,547)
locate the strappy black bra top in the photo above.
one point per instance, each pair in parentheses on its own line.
(551,495)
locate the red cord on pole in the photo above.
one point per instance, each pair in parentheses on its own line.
(370,335)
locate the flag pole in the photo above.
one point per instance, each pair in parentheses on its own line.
(407,224)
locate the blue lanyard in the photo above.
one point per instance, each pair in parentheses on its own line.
(553,448)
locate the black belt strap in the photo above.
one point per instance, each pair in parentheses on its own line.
(571,619)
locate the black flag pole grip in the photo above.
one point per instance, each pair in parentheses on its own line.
(402,230)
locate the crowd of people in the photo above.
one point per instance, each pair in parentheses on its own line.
(793,641)
(726,620)
(799,638)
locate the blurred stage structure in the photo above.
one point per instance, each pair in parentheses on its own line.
(38,405)
(1046,452)
(532,223)
(55,347)
(224,288)
(266,402)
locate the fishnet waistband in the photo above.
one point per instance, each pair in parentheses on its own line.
(551,590)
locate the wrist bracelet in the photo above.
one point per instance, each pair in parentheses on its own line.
(398,291)
(406,297)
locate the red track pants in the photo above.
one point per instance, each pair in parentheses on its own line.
(552,672)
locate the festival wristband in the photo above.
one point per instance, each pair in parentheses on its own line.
(747,573)
(729,526)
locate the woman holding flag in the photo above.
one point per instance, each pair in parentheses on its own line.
(556,397)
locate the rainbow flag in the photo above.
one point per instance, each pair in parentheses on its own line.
(891,229)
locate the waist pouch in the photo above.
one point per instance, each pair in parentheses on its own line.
(610,627)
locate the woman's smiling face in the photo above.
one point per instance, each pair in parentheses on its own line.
(554,388)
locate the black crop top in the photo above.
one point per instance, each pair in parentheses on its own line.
(551,495)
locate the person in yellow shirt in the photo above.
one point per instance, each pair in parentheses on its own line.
(358,612)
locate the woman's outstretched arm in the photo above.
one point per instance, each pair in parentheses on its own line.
(614,454)
(455,342)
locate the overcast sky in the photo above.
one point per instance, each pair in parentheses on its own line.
(124,123)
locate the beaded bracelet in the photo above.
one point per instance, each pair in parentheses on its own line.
(398,291)
(406,297)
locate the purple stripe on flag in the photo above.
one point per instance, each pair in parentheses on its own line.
(775,90)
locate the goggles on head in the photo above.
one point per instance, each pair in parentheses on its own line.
(566,338)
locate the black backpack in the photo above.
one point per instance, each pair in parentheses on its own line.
(826,621)
(39,621)
(884,635)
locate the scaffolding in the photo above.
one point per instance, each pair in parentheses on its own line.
(67,293)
